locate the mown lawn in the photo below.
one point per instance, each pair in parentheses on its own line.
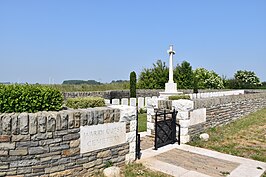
(142,122)
(245,137)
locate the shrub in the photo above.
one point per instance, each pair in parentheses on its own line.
(85,102)
(178,97)
(133,83)
(246,79)
(29,98)
(208,79)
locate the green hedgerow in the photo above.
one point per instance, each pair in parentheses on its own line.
(85,102)
(29,98)
(178,97)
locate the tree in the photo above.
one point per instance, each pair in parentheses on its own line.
(246,79)
(154,78)
(183,75)
(133,80)
(208,79)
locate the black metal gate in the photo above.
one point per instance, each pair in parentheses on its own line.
(138,154)
(165,129)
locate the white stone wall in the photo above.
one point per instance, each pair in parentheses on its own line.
(215,94)
(128,114)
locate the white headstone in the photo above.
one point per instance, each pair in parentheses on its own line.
(146,101)
(115,101)
(140,102)
(124,101)
(133,101)
(107,102)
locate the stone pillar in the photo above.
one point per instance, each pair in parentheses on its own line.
(183,107)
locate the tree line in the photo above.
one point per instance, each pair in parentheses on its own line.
(200,78)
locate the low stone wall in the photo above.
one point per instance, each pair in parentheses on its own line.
(195,116)
(222,110)
(51,143)
(114,94)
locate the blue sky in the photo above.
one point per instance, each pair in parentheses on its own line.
(106,40)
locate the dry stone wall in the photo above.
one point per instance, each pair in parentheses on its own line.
(48,143)
(222,110)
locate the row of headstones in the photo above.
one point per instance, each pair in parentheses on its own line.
(215,94)
(140,102)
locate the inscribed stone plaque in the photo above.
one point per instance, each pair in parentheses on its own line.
(102,136)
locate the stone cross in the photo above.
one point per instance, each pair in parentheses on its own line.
(171,54)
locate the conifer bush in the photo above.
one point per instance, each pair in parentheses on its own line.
(133,85)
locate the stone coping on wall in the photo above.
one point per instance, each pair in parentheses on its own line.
(49,143)
(42,122)
(214,101)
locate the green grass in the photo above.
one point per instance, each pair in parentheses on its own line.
(142,122)
(88,88)
(245,137)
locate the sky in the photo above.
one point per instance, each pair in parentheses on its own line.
(49,41)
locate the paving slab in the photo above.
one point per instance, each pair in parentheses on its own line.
(199,162)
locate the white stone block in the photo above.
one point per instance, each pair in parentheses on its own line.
(150,111)
(115,101)
(150,126)
(124,101)
(112,172)
(183,131)
(133,101)
(197,116)
(127,113)
(99,136)
(149,118)
(140,102)
(133,125)
(184,139)
(148,131)
(155,101)
(130,157)
(183,115)
(184,123)
(204,136)
(132,147)
(183,105)
(131,137)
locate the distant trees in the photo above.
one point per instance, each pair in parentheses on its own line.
(78,82)
(184,76)
(154,78)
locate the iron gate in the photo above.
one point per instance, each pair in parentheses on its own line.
(138,154)
(165,129)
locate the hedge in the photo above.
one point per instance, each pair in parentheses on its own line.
(85,102)
(178,97)
(29,98)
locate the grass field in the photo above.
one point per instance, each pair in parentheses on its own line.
(245,137)
(87,87)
